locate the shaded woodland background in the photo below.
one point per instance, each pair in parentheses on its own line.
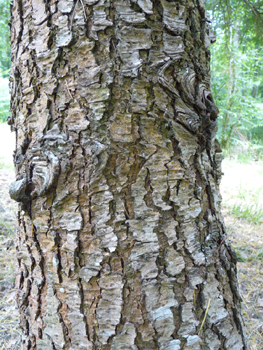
(237,72)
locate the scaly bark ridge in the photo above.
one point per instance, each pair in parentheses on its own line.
(121,243)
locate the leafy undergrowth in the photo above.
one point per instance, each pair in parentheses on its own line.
(243,211)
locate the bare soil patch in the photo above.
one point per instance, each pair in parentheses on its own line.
(246,239)
(9,317)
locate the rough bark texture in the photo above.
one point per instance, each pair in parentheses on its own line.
(121,243)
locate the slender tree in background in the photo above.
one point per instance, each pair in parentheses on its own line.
(121,243)
(237,70)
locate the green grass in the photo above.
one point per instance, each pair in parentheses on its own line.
(5,228)
(246,194)
(250,213)
(252,256)
(258,256)
(6,164)
(240,258)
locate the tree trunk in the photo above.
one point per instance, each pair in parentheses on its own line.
(120,243)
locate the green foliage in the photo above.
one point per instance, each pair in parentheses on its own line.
(237,70)
(5,59)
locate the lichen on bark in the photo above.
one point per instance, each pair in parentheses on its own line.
(121,243)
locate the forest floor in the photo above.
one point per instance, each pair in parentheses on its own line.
(9,318)
(242,192)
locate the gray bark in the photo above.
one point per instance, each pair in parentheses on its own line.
(121,243)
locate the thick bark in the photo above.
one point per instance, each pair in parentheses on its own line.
(121,243)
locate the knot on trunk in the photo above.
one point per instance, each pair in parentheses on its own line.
(42,178)
(20,190)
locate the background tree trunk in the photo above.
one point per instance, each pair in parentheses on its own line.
(121,243)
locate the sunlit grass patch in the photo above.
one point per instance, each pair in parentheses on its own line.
(250,213)
(6,164)
(253,195)
(258,255)
(240,257)
(5,228)
(244,254)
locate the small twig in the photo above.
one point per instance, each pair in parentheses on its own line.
(68,90)
(221,242)
(83,9)
(220,89)
(205,316)
(256,12)
(73,14)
